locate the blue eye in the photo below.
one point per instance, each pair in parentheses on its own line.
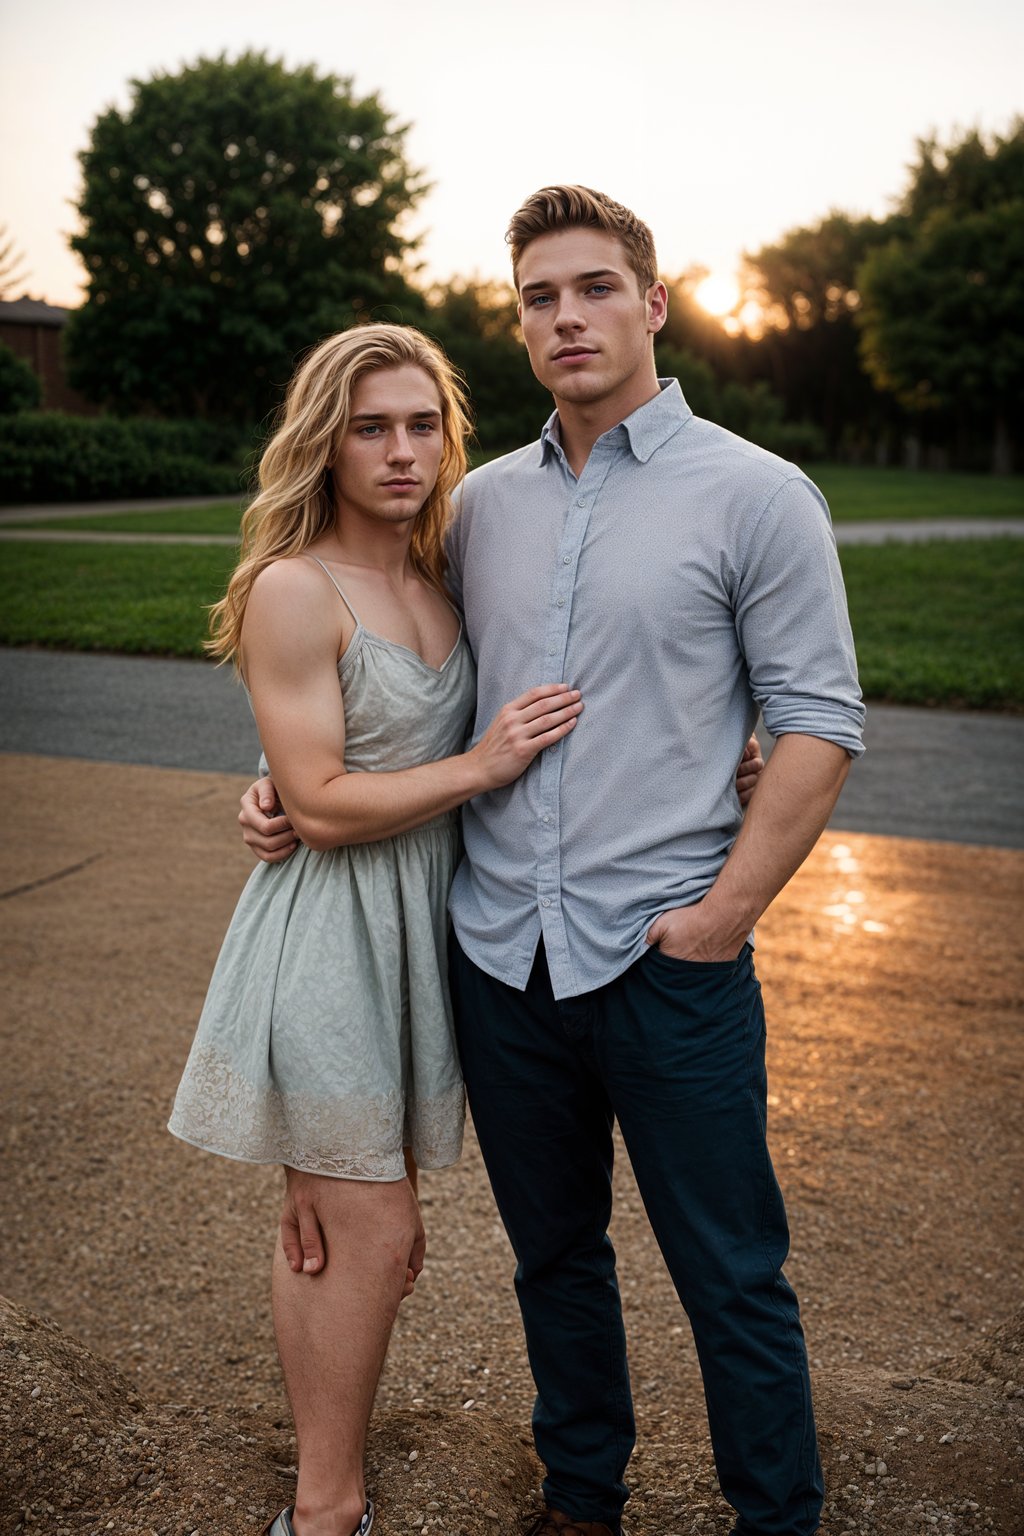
(539,299)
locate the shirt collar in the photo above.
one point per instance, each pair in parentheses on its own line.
(652,424)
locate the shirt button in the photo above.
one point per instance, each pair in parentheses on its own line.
(580,502)
(546,902)
(546,820)
(560,603)
(567,559)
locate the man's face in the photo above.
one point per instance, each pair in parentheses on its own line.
(586,325)
(387,459)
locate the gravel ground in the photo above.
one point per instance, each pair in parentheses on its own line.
(893,991)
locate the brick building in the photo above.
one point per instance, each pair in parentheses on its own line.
(31,328)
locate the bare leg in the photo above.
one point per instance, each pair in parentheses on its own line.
(332,1331)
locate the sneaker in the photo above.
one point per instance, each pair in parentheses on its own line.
(281,1525)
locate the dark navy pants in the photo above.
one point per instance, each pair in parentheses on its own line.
(674,1050)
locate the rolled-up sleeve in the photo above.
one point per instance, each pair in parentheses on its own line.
(793,623)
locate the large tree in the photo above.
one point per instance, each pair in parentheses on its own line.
(806,285)
(942,318)
(233,214)
(969,175)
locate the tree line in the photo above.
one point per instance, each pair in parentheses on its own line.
(901,331)
(238,210)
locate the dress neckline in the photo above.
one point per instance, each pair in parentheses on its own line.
(361,633)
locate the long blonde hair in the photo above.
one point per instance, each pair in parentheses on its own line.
(295,503)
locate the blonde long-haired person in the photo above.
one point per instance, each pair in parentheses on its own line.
(326,1040)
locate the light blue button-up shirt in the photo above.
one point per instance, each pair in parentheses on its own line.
(686,581)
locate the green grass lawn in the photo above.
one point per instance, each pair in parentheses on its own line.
(941,622)
(936,623)
(853,494)
(110,597)
(856,494)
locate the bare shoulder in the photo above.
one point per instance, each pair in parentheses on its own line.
(291,587)
(292,610)
(294,577)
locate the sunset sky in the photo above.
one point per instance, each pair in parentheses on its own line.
(722,125)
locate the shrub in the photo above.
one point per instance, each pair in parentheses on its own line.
(20,389)
(47,456)
(696,380)
(802,442)
(750,410)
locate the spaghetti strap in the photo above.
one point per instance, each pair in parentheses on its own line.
(337,589)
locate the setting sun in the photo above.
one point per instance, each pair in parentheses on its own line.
(717,293)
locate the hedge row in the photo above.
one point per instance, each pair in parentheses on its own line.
(48,456)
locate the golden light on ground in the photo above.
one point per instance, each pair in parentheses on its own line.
(718,293)
(846,906)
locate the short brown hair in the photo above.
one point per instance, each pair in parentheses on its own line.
(555,208)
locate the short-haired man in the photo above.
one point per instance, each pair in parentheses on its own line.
(684,580)
(601,968)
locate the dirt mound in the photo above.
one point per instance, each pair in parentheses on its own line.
(81,1452)
(997,1358)
(903,1455)
(908,1454)
(938,1453)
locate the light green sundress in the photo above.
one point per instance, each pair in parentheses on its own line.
(326,1040)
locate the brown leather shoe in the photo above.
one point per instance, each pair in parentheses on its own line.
(554,1523)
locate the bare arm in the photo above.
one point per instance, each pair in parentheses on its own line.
(290,644)
(784,820)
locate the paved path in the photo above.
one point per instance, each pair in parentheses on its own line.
(159,711)
(918,530)
(92,536)
(881,531)
(934,774)
(40,514)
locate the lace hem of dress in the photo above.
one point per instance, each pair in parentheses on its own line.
(345,1137)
